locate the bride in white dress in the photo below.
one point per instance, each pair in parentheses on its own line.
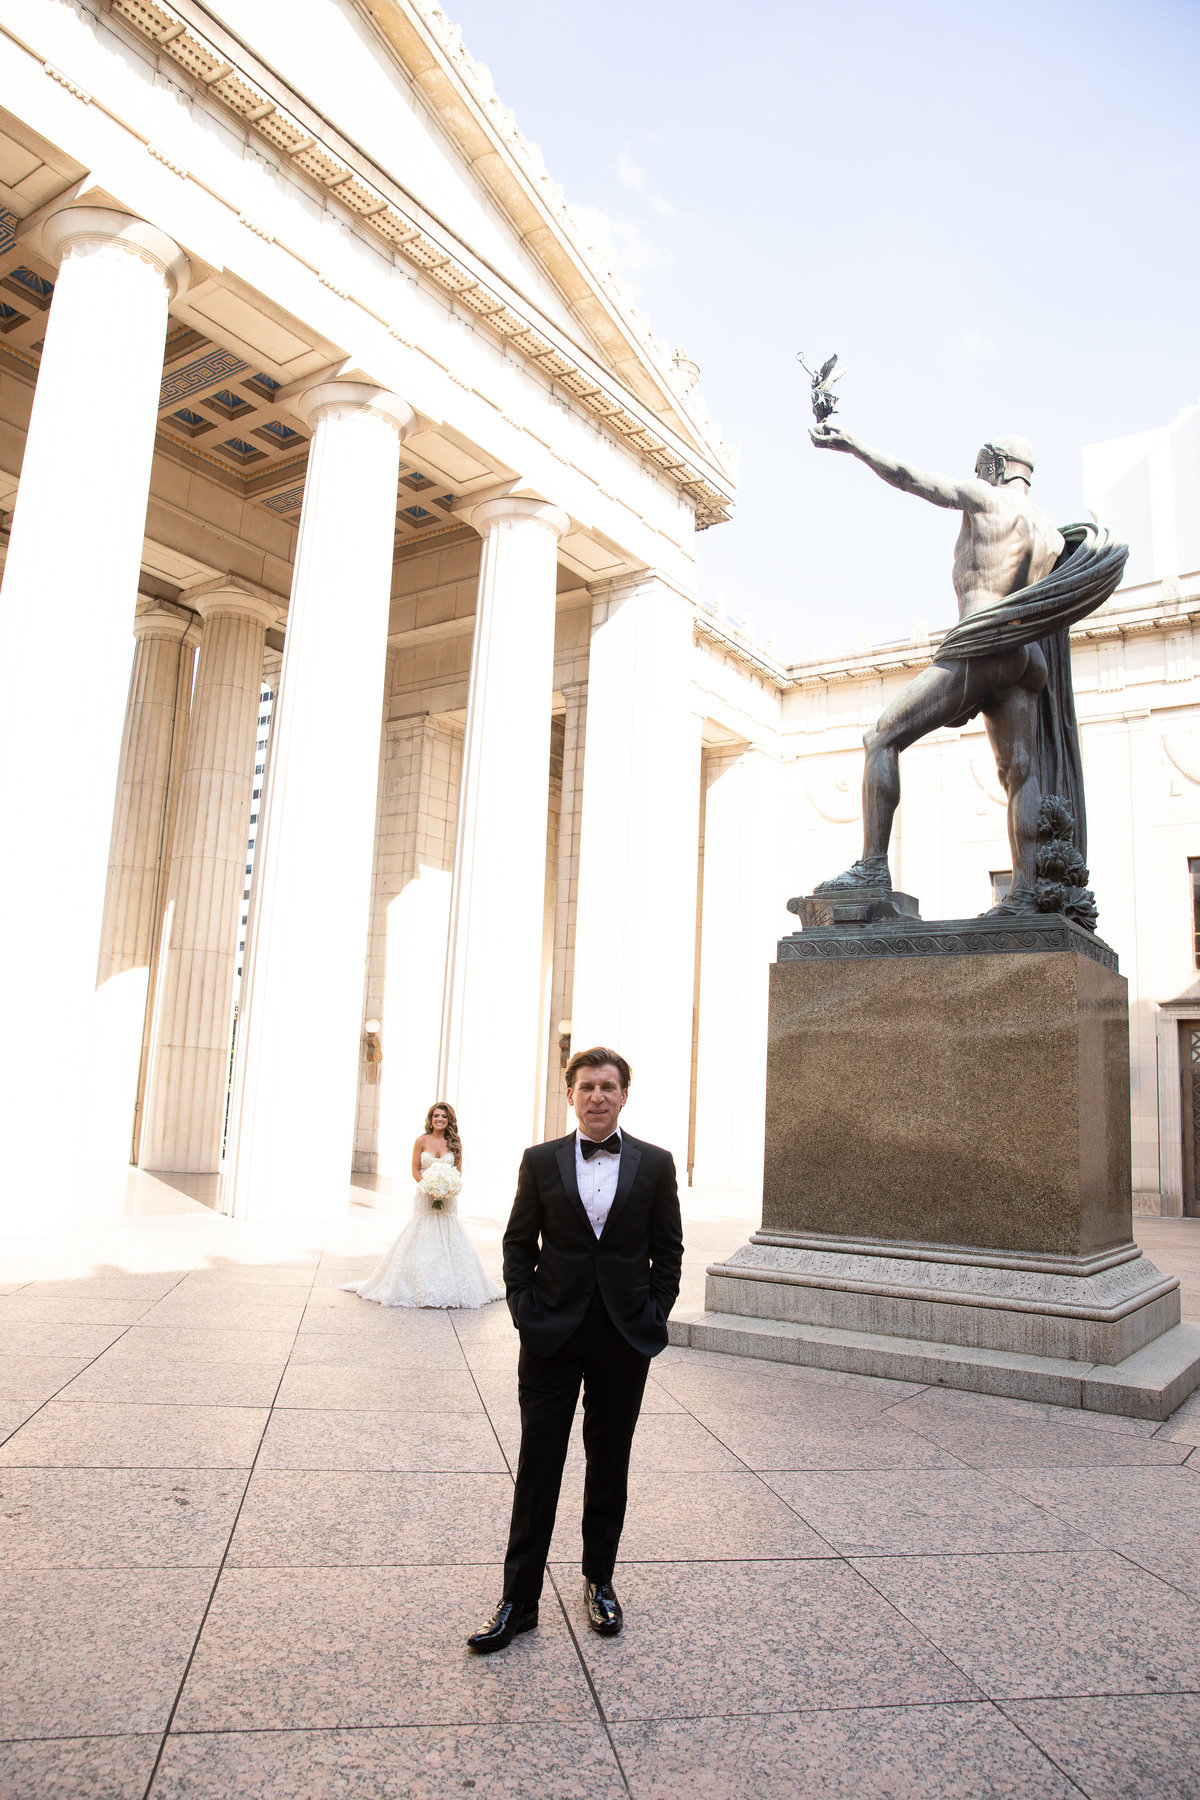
(433,1262)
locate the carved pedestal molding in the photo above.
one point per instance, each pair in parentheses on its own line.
(489,1056)
(71,581)
(189,1063)
(291,1130)
(139,860)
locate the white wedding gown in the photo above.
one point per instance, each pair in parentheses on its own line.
(433,1262)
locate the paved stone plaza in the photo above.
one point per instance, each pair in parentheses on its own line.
(246,1521)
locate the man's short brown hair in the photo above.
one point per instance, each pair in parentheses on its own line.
(596,1058)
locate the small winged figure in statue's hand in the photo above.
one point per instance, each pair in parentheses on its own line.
(824,400)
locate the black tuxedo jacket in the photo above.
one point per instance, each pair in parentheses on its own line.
(553,1260)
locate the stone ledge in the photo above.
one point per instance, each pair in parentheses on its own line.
(1148,1385)
(1020,935)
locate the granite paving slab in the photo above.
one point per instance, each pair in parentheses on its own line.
(188,1314)
(164,1344)
(728,1515)
(999,1440)
(1119,1747)
(414,1441)
(383,1388)
(36,1378)
(1151,1516)
(251,1279)
(792,1635)
(55,1338)
(329,1518)
(175,1384)
(86,1652)
(14,1413)
(1183,1426)
(956,1403)
(32,1306)
(889,1512)
(364,1351)
(499,1762)
(109,1284)
(963,1752)
(701,1371)
(334,1311)
(74,1768)
(116,1518)
(769,1444)
(305,1648)
(1048,1623)
(84,1434)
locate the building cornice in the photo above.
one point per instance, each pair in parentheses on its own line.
(347,177)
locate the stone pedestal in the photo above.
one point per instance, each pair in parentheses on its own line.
(946,1191)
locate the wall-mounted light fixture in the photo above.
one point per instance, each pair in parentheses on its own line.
(372,1048)
(564,1042)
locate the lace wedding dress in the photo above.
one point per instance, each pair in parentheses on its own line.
(433,1262)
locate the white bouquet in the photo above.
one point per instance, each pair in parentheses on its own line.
(440,1183)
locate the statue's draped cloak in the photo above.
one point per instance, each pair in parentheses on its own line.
(1085,575)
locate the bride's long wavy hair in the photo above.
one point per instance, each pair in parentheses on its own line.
(453,1141)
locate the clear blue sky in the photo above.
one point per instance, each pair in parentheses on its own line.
(990,212)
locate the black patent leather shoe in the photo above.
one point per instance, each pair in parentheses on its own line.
(603,1608)
(510,1618)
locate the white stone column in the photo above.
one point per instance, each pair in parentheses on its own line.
(139,860)
(635,916)
(742,916)
(567,888)
(66,611)
(489,1060)
(291,1135)
(406,977)
(193,1014)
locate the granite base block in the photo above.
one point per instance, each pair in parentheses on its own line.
(1100,1308)
(1148,1385)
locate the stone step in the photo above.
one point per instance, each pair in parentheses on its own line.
(1148,1385)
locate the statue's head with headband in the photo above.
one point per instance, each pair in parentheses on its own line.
(1005,459)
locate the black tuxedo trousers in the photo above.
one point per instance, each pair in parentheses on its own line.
(591,1313)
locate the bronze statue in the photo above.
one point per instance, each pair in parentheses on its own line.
(824,400)
(1020,584)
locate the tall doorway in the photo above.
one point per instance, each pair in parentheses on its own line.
(1189,1113)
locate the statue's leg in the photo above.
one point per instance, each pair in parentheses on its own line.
(933,698)
(1011,719)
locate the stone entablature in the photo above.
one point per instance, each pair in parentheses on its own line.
(319,156)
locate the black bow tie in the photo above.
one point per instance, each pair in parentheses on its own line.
(590,1148)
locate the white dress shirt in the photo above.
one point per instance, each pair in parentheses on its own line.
(597,1180)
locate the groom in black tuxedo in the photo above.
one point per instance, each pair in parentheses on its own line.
(592,1257)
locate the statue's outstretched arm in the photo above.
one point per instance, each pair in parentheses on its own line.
(940,490)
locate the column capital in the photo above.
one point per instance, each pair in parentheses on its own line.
(153,619)
(355,396)
(86,226)
(226,596)
(510,506)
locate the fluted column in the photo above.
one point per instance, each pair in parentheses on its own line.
(67,605)
(566,892)
(139,860)
(411,915)
(744,853)
(189,1065)
(493,992)
(635,943)
(296,1070)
